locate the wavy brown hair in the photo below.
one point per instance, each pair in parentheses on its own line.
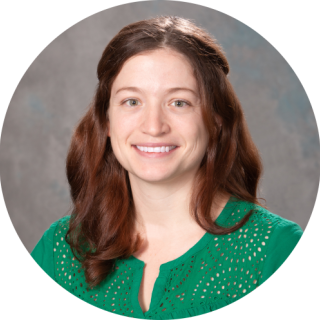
(102,222)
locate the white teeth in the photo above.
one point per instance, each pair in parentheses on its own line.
(156,149)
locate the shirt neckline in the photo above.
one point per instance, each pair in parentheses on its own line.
(223,216)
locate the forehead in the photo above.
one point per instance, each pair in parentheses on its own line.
(161,68)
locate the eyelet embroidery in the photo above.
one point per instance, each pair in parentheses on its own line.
(228,268)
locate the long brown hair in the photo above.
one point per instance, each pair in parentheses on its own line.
(102,222)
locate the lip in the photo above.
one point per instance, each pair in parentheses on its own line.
(159,144)
(154,154)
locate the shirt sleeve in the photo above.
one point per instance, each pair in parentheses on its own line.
(284,239)
(43,251)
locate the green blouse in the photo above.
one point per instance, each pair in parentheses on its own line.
(215,272)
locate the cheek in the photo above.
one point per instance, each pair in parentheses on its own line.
(120,130)
(125,127)
(118,124)
(202,140)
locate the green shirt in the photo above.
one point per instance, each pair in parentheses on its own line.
(215,272)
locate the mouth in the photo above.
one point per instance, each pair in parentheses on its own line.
(155,154)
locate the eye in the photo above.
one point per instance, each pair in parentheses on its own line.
(180,103)
(179,107)
(131,100)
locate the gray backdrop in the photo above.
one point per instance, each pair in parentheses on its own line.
(56,90)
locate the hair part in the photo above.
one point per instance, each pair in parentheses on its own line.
(102,221)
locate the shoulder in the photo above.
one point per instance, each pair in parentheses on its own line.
(283,234)
(57,229)
(272,235)
(276,225)
(43,252)
(260,217)
(244,258)
(61,225)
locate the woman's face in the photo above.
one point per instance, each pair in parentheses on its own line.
(155,105)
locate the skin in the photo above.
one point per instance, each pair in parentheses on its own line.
(161,187)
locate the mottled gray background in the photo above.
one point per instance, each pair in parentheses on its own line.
(56,90)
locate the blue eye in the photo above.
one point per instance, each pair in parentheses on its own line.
(180,107)
(180,103)
(132,102)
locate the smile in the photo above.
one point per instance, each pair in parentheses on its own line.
(155,152)
(156,149)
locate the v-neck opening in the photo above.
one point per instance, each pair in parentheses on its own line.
(223,216)
(165,268)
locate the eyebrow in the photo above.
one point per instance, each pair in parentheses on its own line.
(171,90)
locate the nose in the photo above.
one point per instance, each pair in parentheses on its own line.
(154,120)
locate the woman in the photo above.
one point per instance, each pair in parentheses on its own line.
(164,174)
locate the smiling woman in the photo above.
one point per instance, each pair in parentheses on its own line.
(163,173)
(166,114)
